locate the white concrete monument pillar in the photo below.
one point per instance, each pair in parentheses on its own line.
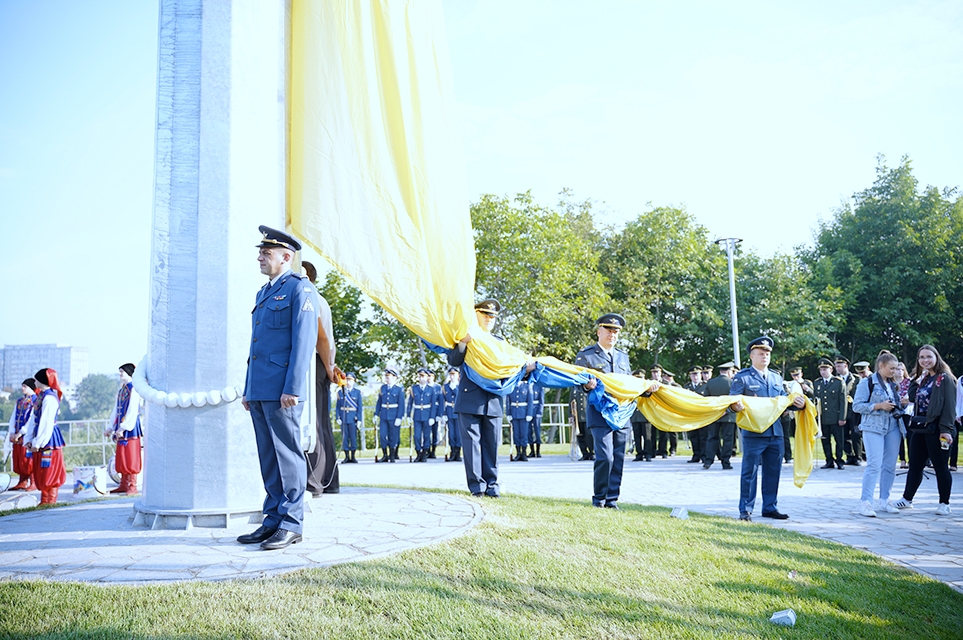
(220,172)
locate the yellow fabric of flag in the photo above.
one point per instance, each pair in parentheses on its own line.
(376,185)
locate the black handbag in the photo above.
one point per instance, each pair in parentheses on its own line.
(918,424)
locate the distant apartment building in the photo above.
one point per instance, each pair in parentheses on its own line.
(20,361)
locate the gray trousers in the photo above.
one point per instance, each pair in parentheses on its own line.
(283,468)
(480,436)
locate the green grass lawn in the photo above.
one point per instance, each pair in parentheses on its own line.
(534,568)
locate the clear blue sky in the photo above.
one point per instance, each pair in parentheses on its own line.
(759,117)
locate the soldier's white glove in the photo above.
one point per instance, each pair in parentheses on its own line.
(397,422)
(338,421)
(528,418)
(431,421)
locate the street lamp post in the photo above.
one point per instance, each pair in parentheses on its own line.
(730,248)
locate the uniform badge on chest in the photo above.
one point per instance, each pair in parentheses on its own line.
(280,297)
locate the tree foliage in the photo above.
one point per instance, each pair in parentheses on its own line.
(95,397)
(895,258)
(542,266)
(352,331)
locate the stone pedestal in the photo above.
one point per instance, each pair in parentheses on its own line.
(220,172)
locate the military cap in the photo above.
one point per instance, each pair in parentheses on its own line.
(351,375)
(392,372)
(423,371)
(695,370)
(707,368)
(655,367)
(611,321)
(859,366)
(825,362)
(639,373)
(274,238)
(842,359)
(726,365)
(795,370)
(450,369)
(762,342)
(668,373)
(489,306)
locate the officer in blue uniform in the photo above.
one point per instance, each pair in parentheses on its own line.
(609,444)
(479,413)
(449,392)
(389,409)
(284,334)
(421,410)
(521,409)
(766,448)
(437,409)
(348,409)
(535,431)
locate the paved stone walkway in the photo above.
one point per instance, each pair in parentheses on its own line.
(95,542)
(826,507)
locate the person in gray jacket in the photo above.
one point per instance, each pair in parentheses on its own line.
(877,401)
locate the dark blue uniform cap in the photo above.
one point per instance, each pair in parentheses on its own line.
(424,371)
(274,238)
(392,372)
(351,375)
(489,306)
(450,369)
(762,342)
(611,321)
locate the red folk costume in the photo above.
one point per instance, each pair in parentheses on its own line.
(124,428)
(20,421)
(44,440)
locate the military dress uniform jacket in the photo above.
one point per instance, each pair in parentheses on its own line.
(831,395)
(594,357)
(471,398)
(448,395)
(421,403)
(349,405)
(520,402)
(696,388)
(749,382)
(391,403)
(720,386)
(284,334)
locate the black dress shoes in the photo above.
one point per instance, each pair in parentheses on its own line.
(612,505)
(491,493)
(260,534)
(775,515)
(828,465)
(745,516)
(281,539)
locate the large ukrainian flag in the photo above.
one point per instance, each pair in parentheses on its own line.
(377,187)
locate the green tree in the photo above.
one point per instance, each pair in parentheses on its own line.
(895,256)
(669,281)
(776,298)
(95,397)
(542,266)
(352,332)
(396,345)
